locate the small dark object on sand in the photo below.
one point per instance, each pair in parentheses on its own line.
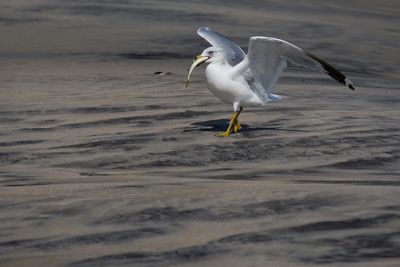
(162,73)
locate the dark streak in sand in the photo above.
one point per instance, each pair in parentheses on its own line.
(104,238)
(355,248)
(250,211)
(104,164)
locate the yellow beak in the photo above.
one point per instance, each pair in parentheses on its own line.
(197,61)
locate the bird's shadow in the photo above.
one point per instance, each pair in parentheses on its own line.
(220,125)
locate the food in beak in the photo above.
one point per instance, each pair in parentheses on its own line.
(199,60)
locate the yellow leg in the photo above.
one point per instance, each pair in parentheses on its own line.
(237,127)
(234,125)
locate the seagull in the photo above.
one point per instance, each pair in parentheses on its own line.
(247,80)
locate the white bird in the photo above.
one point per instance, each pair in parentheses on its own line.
(247,80)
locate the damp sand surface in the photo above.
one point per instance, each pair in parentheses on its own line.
(103,163)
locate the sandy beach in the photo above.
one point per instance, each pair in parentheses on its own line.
(103,163)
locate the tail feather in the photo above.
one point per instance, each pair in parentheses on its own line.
(273,97)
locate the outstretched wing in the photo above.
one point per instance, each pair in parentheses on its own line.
(234,54)
(267,58)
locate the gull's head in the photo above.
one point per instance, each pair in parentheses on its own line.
(213,54)
(209,55)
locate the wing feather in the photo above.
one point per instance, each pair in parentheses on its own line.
(234,54)
(267,58)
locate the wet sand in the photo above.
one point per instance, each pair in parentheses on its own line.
(104,163)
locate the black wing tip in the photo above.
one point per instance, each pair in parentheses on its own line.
(349,84)
(331,71)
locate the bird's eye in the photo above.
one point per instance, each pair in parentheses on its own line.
(211,53)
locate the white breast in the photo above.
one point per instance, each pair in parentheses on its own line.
(228,89)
